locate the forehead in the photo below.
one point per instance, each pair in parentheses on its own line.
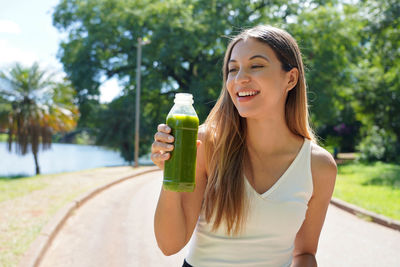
(244,49)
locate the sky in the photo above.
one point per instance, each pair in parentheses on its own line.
(27,35)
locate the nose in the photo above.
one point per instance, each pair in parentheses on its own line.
(242,76)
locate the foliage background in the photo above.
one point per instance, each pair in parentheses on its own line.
(350,48)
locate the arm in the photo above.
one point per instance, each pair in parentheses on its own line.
(177,212)
(323,168)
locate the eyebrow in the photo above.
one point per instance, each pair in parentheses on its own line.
(253,57)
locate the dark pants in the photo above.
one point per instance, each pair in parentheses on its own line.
(185,264)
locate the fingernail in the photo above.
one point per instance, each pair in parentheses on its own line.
(168,128)
(170,138)
(169,146)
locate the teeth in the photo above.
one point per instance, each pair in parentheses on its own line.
(249,93)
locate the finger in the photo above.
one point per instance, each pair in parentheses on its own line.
(159,158)
(160,146)
(154,148)
(163,128)
(163,137)
(155,158)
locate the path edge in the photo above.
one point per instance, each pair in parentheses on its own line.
(39,247)
(366,214)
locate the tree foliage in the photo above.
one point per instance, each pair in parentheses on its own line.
(33,107)
(188,40)
(331,51)
(378,87)
(348,59)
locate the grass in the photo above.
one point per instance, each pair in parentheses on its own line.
(25,221)
(16,186)
(374,187)
(3,137)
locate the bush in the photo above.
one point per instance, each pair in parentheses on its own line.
(379,144)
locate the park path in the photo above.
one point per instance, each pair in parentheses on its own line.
(115,228)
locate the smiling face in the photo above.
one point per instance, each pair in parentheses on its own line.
(256,81)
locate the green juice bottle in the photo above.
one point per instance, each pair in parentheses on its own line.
(180,169)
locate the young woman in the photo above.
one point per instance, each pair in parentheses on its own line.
(263,185)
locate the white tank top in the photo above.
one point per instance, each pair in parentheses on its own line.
(273,220)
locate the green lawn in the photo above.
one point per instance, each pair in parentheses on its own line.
(3,137)
(374,187)
(16,187)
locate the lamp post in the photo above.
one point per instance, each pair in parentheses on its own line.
(137,119)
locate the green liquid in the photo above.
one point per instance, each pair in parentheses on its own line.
(180,169)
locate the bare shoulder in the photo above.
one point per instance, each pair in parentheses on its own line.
(321,159)
(323,168)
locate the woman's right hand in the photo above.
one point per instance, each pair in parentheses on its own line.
(162,145)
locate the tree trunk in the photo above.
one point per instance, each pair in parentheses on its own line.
(35,156)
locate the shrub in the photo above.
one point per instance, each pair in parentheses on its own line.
(379,144)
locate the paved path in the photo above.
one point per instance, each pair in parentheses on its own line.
(116,229)
(349,241)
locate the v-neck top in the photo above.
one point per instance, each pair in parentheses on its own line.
(273,220)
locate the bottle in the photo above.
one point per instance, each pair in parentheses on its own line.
(180,168)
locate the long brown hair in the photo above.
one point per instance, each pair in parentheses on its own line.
(225,142)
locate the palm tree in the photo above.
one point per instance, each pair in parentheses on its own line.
(34,107)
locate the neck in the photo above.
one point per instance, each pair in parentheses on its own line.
(269,136)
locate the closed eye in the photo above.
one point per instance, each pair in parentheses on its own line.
(232,70)
(253,67)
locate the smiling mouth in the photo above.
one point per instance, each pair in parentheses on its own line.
(247,93)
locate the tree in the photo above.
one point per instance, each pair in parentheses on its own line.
(118,132)
(34,108)
(185,53)
(188,40)
(331,51)
(378,86)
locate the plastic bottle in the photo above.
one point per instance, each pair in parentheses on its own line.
(180,169)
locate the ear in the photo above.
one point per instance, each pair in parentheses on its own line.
(293,77)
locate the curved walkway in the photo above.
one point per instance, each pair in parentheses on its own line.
(115,228)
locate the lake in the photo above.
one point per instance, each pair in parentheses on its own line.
(60,158)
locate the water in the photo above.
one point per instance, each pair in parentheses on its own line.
(60,158)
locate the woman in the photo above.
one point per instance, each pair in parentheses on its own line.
(263,185)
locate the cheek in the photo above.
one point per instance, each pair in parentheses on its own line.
(232,93)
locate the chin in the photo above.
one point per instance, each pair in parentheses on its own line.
(246,113)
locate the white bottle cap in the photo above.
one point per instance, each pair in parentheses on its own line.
(183,98)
